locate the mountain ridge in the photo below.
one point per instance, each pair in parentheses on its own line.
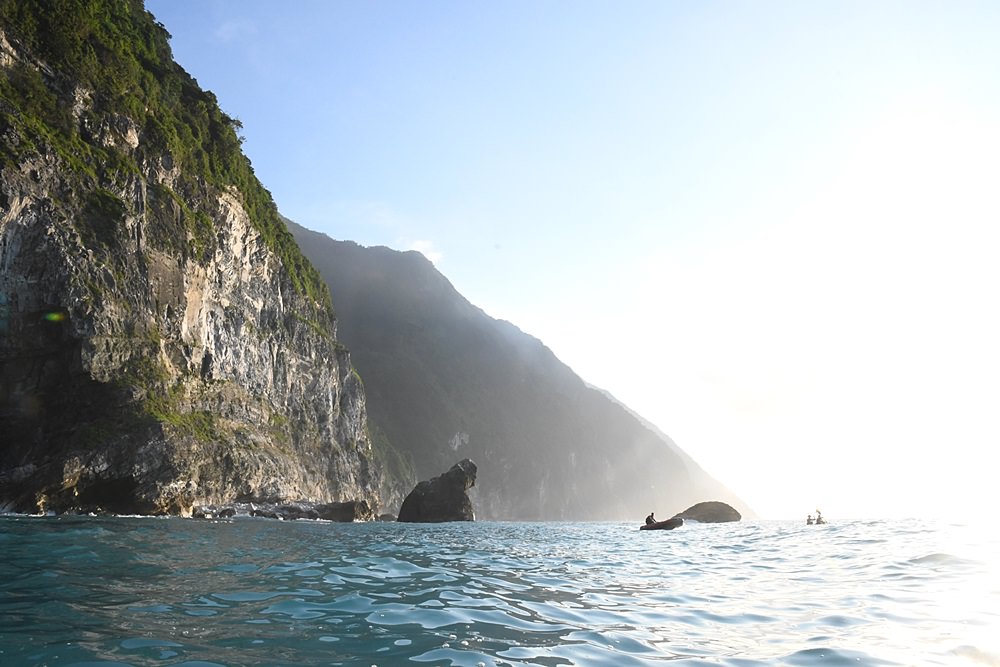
(445,381)
(166,343)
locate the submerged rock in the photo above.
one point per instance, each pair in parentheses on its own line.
(443,498)
(712,511)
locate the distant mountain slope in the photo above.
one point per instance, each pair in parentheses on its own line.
(668,442)
(446,381)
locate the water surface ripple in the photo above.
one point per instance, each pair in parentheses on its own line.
(90,591)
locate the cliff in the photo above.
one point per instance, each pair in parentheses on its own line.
(163,342)
(446,381)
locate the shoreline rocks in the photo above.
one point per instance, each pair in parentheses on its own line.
(346,512)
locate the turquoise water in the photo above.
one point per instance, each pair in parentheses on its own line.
(157,591)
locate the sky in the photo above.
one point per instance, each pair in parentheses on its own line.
(769,228)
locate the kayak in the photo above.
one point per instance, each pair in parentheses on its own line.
(669,524)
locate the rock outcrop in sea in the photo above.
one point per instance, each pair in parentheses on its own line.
(711,511)
(443,498)
(163,342)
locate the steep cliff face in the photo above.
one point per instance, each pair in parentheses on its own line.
(446,381)
(163,343)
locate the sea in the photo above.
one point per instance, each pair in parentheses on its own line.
(94,591)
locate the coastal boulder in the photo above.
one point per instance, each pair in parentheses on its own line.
(712,511)
(443,498)
(352,510)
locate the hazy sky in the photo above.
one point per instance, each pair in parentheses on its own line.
(771,228)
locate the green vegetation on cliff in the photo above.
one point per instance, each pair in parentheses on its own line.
(113,58)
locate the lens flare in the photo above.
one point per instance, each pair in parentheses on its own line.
(54,317)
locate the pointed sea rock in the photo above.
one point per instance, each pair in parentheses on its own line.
(443,498)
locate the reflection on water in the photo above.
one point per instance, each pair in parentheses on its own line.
(144,591)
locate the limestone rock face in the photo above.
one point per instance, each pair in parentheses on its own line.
(159,346)
(442,498)
(712,511)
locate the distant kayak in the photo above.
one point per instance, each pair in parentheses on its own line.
(669,524)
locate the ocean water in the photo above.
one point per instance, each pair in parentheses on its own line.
(90,591)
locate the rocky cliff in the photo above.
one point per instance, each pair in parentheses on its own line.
(445,381)
(163,343)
